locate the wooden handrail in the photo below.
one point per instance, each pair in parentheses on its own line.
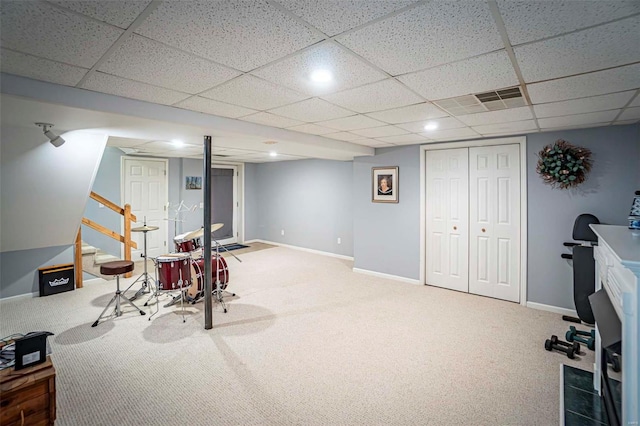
(124,239)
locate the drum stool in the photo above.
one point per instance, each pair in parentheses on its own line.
(117,268)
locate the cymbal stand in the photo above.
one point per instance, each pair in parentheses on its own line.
(218,291)
(146,282)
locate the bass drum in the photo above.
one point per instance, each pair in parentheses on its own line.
(218,269)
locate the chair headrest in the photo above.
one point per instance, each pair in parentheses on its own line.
(581,230)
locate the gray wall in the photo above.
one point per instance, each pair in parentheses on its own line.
(107,184)
(310,199)
(607,194)
(387,236)
(194,219)
(251,229)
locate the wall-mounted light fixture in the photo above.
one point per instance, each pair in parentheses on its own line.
(53,138)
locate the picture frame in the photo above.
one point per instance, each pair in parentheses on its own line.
(193,182)
(385,184)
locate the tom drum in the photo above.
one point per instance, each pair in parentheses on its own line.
(184,245)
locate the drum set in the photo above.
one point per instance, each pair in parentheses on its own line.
(183,271)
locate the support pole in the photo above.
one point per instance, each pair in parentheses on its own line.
(208,276)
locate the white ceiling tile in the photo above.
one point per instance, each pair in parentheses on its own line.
(443,124)
(371,142)
(125,142)
(312,110)
(209,106)
(352,123)
(636,101)
(141,59)
(272,120)
(113,85)
(487,72)
(378,96)
(578,119)
(343,136)
(253,92)
(602,47)
(579,106)
(240,34)
(582,86)
(115,12)
(450,134)
(533,20)
(295,72)
(433,34)
(494,117)
(378,132)
(404,139)
(40,69)
(159,145)
(502,128)
(49,32)
(423,111)
(313,129)
(336,16)
(625,122)
(630,114)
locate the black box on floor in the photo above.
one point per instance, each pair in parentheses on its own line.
(56,279)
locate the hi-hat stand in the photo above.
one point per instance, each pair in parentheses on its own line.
(145,277)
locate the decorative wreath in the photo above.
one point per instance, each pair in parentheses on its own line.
(564,165)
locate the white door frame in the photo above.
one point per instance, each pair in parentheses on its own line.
(122,185)
(520,140)
(236,195)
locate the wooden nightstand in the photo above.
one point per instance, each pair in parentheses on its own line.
(28,397)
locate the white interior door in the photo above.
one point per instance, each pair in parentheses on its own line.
(494,214)
(145,189)
(447,215)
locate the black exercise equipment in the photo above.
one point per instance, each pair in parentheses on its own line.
(576,335)
(574,345)
(584,267)
(549,345)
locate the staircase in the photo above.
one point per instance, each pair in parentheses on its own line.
(92,258)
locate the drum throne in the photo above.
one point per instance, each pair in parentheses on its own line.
(117,268)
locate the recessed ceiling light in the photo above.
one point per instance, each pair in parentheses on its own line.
(273,154)
(177,142)
(321,76)
(432,125)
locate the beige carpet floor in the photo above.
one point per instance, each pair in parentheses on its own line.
(305,342)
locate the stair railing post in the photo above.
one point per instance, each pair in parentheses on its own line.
(77,258)
(127,235)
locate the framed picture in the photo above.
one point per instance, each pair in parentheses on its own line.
(384,184)
(193,182)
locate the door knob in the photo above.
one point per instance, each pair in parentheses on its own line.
(483,230)
(455,228)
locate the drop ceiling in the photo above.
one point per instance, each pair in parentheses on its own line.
(397,64)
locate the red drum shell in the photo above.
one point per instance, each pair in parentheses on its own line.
(197,271)
(187,246)
(171,270)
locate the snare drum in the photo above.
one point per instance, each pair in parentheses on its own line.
(197,272)
(174,271)
(186,246)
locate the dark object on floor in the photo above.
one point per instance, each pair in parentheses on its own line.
(584,267)
(582,405)
(574,345)
(117,268)
(31,349)
(589,338)
(56,279)
(234,246)
(569,350)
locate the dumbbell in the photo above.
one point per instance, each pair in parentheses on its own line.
(548,345)
(574,334)
(574,345)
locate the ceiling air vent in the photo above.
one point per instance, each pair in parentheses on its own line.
(483,102)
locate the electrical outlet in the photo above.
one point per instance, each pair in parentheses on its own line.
(339,240)
(282,232)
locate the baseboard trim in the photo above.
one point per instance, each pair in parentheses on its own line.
(387,276)
(308,250)
(35,294)
(554,309)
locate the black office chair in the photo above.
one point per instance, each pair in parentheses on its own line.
(584,267)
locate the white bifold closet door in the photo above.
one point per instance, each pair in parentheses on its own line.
(448,219)
(494,214)
(473,220)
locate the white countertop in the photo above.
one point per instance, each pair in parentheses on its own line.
(623,241)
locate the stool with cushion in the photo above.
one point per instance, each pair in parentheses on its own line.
(117,268)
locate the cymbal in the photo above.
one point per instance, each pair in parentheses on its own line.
(200,232)
(145,228)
